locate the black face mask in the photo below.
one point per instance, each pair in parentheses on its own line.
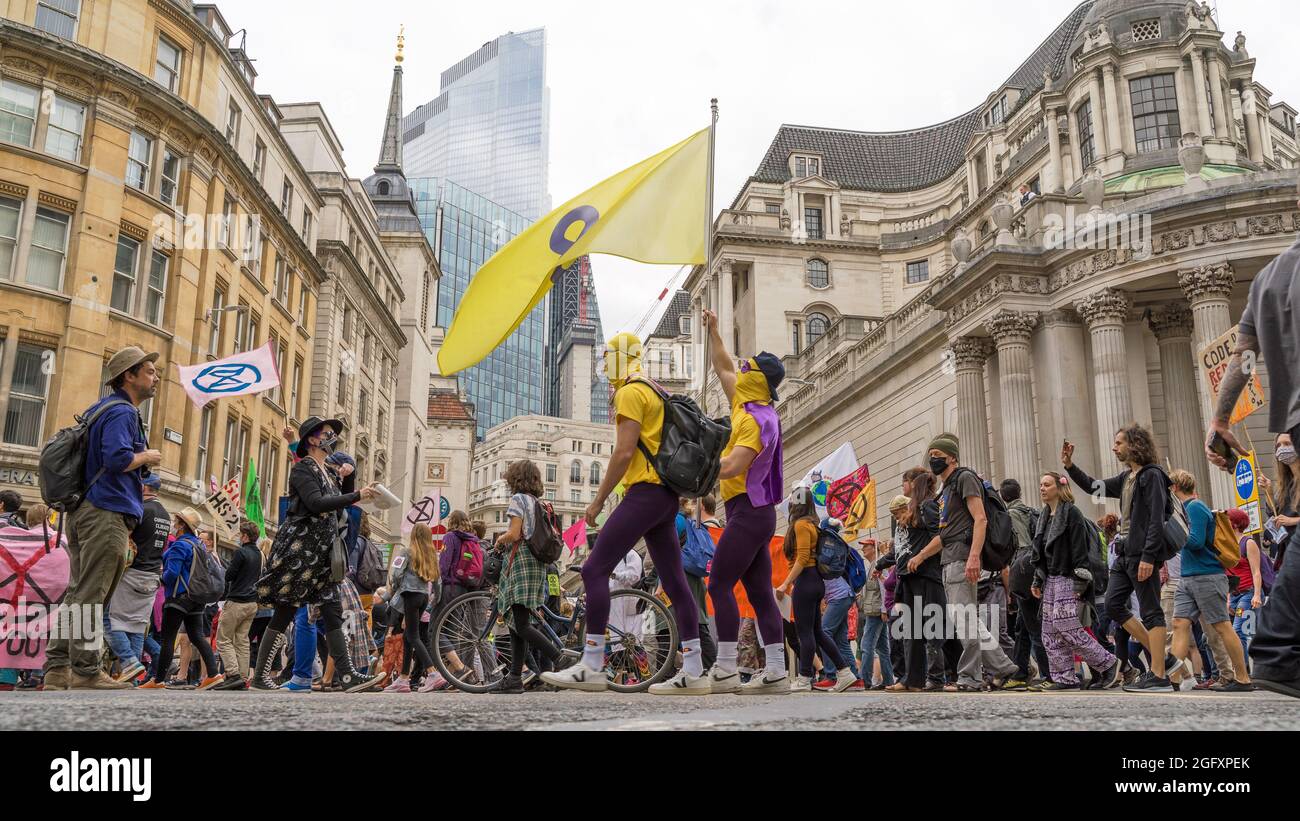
(938,464)
(329,442)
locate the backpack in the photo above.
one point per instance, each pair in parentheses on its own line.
(690,445)
(1222,542)
(1021,578)
(832,554)
(62,466)
(1097,557)
(999,535)
(371,573)
(467,567)
(207,580)
(697,552)
(546,544)
(856,572)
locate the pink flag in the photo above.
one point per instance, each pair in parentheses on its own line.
(34,568)
(844,492)
(243,373)
(576,535)
(427,511)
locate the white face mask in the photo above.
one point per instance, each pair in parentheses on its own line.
(1286,455)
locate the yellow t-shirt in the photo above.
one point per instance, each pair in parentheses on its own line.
(744,433)
(637,400)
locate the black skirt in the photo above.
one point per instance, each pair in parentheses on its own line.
(298,571)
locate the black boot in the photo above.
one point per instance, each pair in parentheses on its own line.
(266,650)
(345,673)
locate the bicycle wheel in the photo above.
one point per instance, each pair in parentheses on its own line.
(638,652)
(468,626)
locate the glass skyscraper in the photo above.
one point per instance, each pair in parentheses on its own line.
(466,229)
(488,130)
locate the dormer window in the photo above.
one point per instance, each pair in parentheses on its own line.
(997,114)
(684,325)
(805,166)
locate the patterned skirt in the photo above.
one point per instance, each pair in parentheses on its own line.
(298,571)
(523,581)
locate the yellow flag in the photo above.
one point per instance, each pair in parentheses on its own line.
(652,212)
(862,513)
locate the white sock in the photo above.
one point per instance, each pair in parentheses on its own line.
(726,662)
(692,661)
(775,654)
(593,653)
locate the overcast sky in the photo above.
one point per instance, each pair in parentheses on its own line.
(629,79)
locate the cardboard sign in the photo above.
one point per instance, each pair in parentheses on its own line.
(224,507)
(1215,358)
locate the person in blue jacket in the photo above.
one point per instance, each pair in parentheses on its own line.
(178,608)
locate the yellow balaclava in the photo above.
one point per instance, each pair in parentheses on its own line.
(751,386)
(623,358)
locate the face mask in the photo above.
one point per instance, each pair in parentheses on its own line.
(329,442)
(938,464)
(1286,455)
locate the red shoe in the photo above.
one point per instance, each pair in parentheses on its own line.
(856,686)
(824,686)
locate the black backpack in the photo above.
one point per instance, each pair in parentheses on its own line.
(690,447)
(371,574)
(546,543)
(1096,562)
(999,535)
(62,466)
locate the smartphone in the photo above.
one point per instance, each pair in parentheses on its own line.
(1220,446)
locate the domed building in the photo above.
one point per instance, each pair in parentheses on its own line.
(1048,265)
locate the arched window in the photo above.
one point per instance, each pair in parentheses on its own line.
(817,325)
(383,188)
(819,274)
(575,473)
(595,473)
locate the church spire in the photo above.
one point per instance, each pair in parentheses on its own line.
(390,148)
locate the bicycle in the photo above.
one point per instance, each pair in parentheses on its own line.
(638,653)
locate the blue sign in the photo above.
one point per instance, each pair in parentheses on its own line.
(1245,480)
(228,378)
(444,508)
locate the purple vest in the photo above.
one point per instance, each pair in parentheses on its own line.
(765,481)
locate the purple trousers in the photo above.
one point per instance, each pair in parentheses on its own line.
(1064,636)
(743,556)
(648,511)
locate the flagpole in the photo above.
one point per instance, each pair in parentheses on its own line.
(708,267)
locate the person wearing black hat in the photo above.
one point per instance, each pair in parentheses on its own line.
(300,570)
(752,484)
(99,528)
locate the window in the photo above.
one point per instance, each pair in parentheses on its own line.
(1155,112)
(806,167)
(773,208)
(302,304)
(49,246)
(124,274)
(818,273)
(306,226)
(269,470)
(275,352)
(137,160)
(550,474)
(381,426)
(214,334)
(205,432)
(347,323)
(575,473)
(17,112)
(171,175)
(817,325)
(11,212)
(281,283)
(63,136)
(812,221)
(684,325)
(1087,140)
(241,328)
(594,476)
(1146,30)
(259,158)
(297,388)
(227,216)
(575,496)
(796,344)
(58,17)
(342,396)
(232,123)
(997,113)
(25,411)
(918,271)
(281,350)
(167,65)
(363,406)
(286,198)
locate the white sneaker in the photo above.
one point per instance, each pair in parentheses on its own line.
(682,685)
(801,684)
(761,685)
(720,682)
(579,677)
(843,680)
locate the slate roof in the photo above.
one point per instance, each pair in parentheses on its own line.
(918,158)
(670,324)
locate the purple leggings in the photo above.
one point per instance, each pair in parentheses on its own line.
(648,511)
(743,555)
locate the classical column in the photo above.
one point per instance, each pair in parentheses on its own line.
(969,354)
(726,310)
(1249,116)
(1185,84)
(1172,325)
(1106,312)
(1054,146)
(1208,288)
(1222,112)
(1100,124)
(1112,107)
(1202,104)
(1011,330)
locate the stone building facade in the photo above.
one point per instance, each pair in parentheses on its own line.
(912,290)
(147,197)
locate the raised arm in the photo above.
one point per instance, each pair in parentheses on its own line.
(720,356)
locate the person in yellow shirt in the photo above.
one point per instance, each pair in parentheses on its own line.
(752,484)
(648,510)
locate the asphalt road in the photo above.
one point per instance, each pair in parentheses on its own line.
(191,710)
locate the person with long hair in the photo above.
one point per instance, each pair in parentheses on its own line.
(919,592)
(1063,582)
(179,609)
(522,588)
(1288,491)
(806,589)
(301,569)
(413,574)
(462,534)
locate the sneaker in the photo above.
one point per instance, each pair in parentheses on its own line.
(844,679)
(722,682)
(131,672)
(579,677)
(823,685)
(858,685)
(152,684)
(1172,666)
(292,686)
(761,685)
(1233,687)
(360,682)
(432,683)
(801,684)
(99,681)
(1015,683)
(178,684)
(1131,675)
(1106,679)
(401,684)
(682,684)
(510,686)
(1205,684)
(211,681)
(1056,686)
(1148,683)
(232,682)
